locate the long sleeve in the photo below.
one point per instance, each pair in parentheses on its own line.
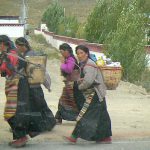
(8,65)
(89,77)
(68,66)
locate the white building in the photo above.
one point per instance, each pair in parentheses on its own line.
(9,19)
(12,30)
(10,26)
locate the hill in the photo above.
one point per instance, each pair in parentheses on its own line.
(79,8)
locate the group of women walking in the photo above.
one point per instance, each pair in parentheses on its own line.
(82,100)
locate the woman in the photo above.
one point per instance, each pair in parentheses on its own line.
(41,117)
(67,108)
(16,90)
(93,121)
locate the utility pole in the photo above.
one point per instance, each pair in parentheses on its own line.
(23,14)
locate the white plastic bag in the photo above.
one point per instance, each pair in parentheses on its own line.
(47,81)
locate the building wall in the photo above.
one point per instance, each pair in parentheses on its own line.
(12,30)
(2,21)
(56,40)
(9,19)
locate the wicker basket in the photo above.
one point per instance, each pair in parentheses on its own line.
(36,69)
(112,76)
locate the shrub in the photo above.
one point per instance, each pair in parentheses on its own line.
(68,26)
(103,20)
(39,44)
(126,44)
(53,16)
(81,32)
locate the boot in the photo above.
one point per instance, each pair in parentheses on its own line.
(19,142)
(106,140)
(70,139)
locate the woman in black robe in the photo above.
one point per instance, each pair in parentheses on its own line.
(93,121)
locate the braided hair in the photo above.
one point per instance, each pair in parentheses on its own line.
(67,47)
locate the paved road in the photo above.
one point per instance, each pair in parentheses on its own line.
(116,145)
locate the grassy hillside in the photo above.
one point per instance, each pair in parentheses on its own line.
(79,8)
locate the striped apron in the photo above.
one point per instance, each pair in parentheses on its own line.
(11,91)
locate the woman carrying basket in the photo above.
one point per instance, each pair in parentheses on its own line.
(33,109)
(67,107)
(16,111)
(93,121)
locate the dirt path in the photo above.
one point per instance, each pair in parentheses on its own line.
(128,106)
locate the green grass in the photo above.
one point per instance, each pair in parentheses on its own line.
(78,8)
(39,39)
(39,44)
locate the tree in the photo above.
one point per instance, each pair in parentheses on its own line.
(126,44)
(58,23)
(103,20)
(144,5)
(68,26)
(81,31)
(53,16)
(120,26)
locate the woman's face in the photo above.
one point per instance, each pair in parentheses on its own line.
(2,47)
(64,53)
(20,48)
(82,56)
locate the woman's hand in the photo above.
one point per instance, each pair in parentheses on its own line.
(80,81)
(62,60)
